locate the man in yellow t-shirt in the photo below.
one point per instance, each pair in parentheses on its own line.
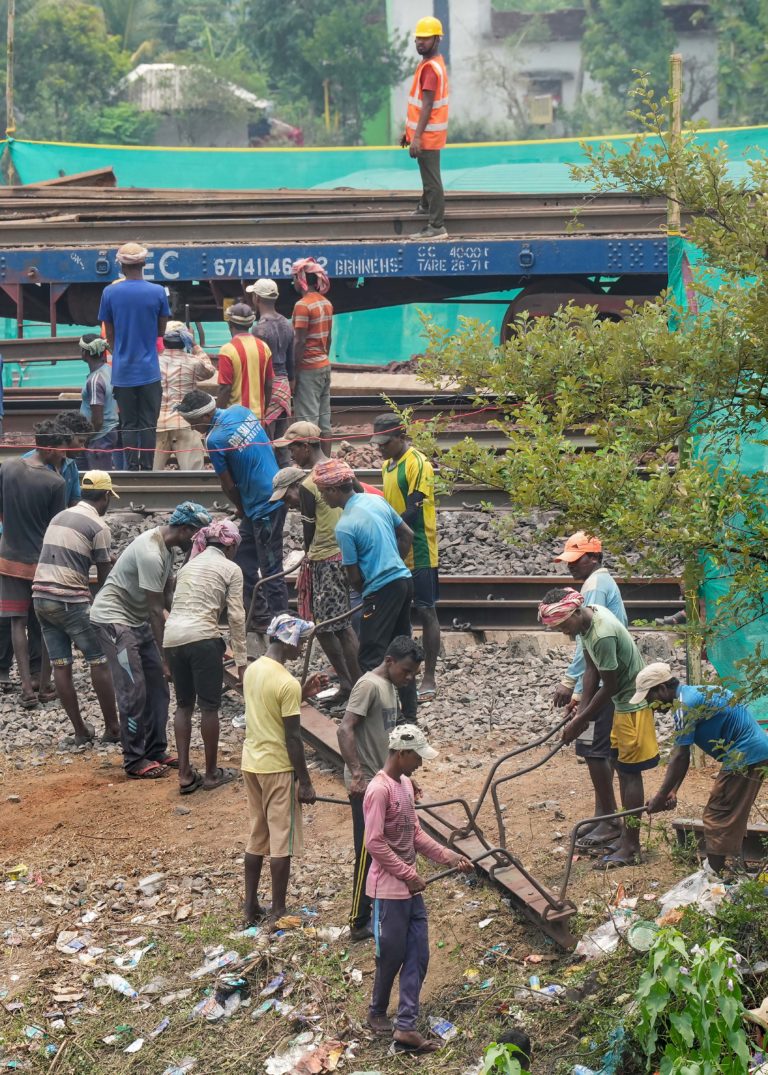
(274,766)
(409,487)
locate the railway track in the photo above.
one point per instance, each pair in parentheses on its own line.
(112,217)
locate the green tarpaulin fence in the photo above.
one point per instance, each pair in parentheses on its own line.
(735,640)
(539,166)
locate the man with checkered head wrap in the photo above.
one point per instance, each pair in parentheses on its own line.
(129,616)
(612,662)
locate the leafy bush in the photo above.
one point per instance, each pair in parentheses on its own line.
(690,1008)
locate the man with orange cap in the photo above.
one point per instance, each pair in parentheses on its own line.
(426,125)
(583,555)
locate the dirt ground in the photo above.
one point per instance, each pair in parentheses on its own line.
(79,825)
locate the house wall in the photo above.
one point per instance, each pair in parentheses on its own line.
(483,61)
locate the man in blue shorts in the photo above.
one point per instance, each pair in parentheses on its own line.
(709,717)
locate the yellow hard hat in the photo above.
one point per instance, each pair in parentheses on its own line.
(429,27)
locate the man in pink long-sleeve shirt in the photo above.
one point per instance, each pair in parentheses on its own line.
(393,837)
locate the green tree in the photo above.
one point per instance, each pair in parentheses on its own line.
(742,27)
(135,23)
(67,70)
(622,36)
(643,391)
(342,42)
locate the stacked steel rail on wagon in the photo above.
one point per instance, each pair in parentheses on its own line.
(57,250)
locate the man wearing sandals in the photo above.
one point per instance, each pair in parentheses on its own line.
(129,616)
(274,767)
(612,662)
(209,583)
(394,837)
(583,555)
(76,538)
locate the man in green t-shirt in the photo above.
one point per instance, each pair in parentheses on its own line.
(373,710)
(612,662)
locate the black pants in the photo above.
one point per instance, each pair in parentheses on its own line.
(139,409)
(387,614)
(261,554)
(433,197)
(140,689)
(35,644)
(360,914)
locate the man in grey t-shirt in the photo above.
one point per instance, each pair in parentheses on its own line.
(372,711)
(129,616)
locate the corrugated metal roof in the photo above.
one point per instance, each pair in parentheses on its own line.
(163,87)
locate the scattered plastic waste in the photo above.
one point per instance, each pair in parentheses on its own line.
(214,963)
(182,1068)
(251,931)
(704,888)
(496,951)
(32,1032)
(485,923)
(209,1009)
(580,1069)
(69,942)
(180,994)
(135,1046)
(161,1026)
(273,986)
(605,937)
(534,981)
(118,983)
(238,722)
(445,1030)
(128,962)
(89,917)
(17,872)
(641,935)
(262,1009)
(120,1032)
(289,921)
(553,990)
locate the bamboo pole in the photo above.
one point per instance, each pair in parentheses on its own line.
(10,126)
(693,633)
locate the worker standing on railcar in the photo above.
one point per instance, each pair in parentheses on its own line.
(426,125)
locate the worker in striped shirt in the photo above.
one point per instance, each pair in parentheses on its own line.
(312,326)
(409,488)
(245,365)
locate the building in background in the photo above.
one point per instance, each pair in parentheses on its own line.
(197,109)
(513,73)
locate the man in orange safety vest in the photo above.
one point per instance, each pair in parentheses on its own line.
(426,125)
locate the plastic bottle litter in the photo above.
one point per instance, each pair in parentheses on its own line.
(217,963)
(534,981)
(118,983)
(445,1030)
(161,1026)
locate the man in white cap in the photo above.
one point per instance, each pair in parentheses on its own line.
(711,718)
(583,556)
(276,332)
(393,837)
(135,313)
(76,538)
(245,364)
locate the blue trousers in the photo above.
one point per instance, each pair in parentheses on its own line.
(402,947)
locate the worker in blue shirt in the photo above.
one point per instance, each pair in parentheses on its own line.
(243,457)
(709,717)
(583,555)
